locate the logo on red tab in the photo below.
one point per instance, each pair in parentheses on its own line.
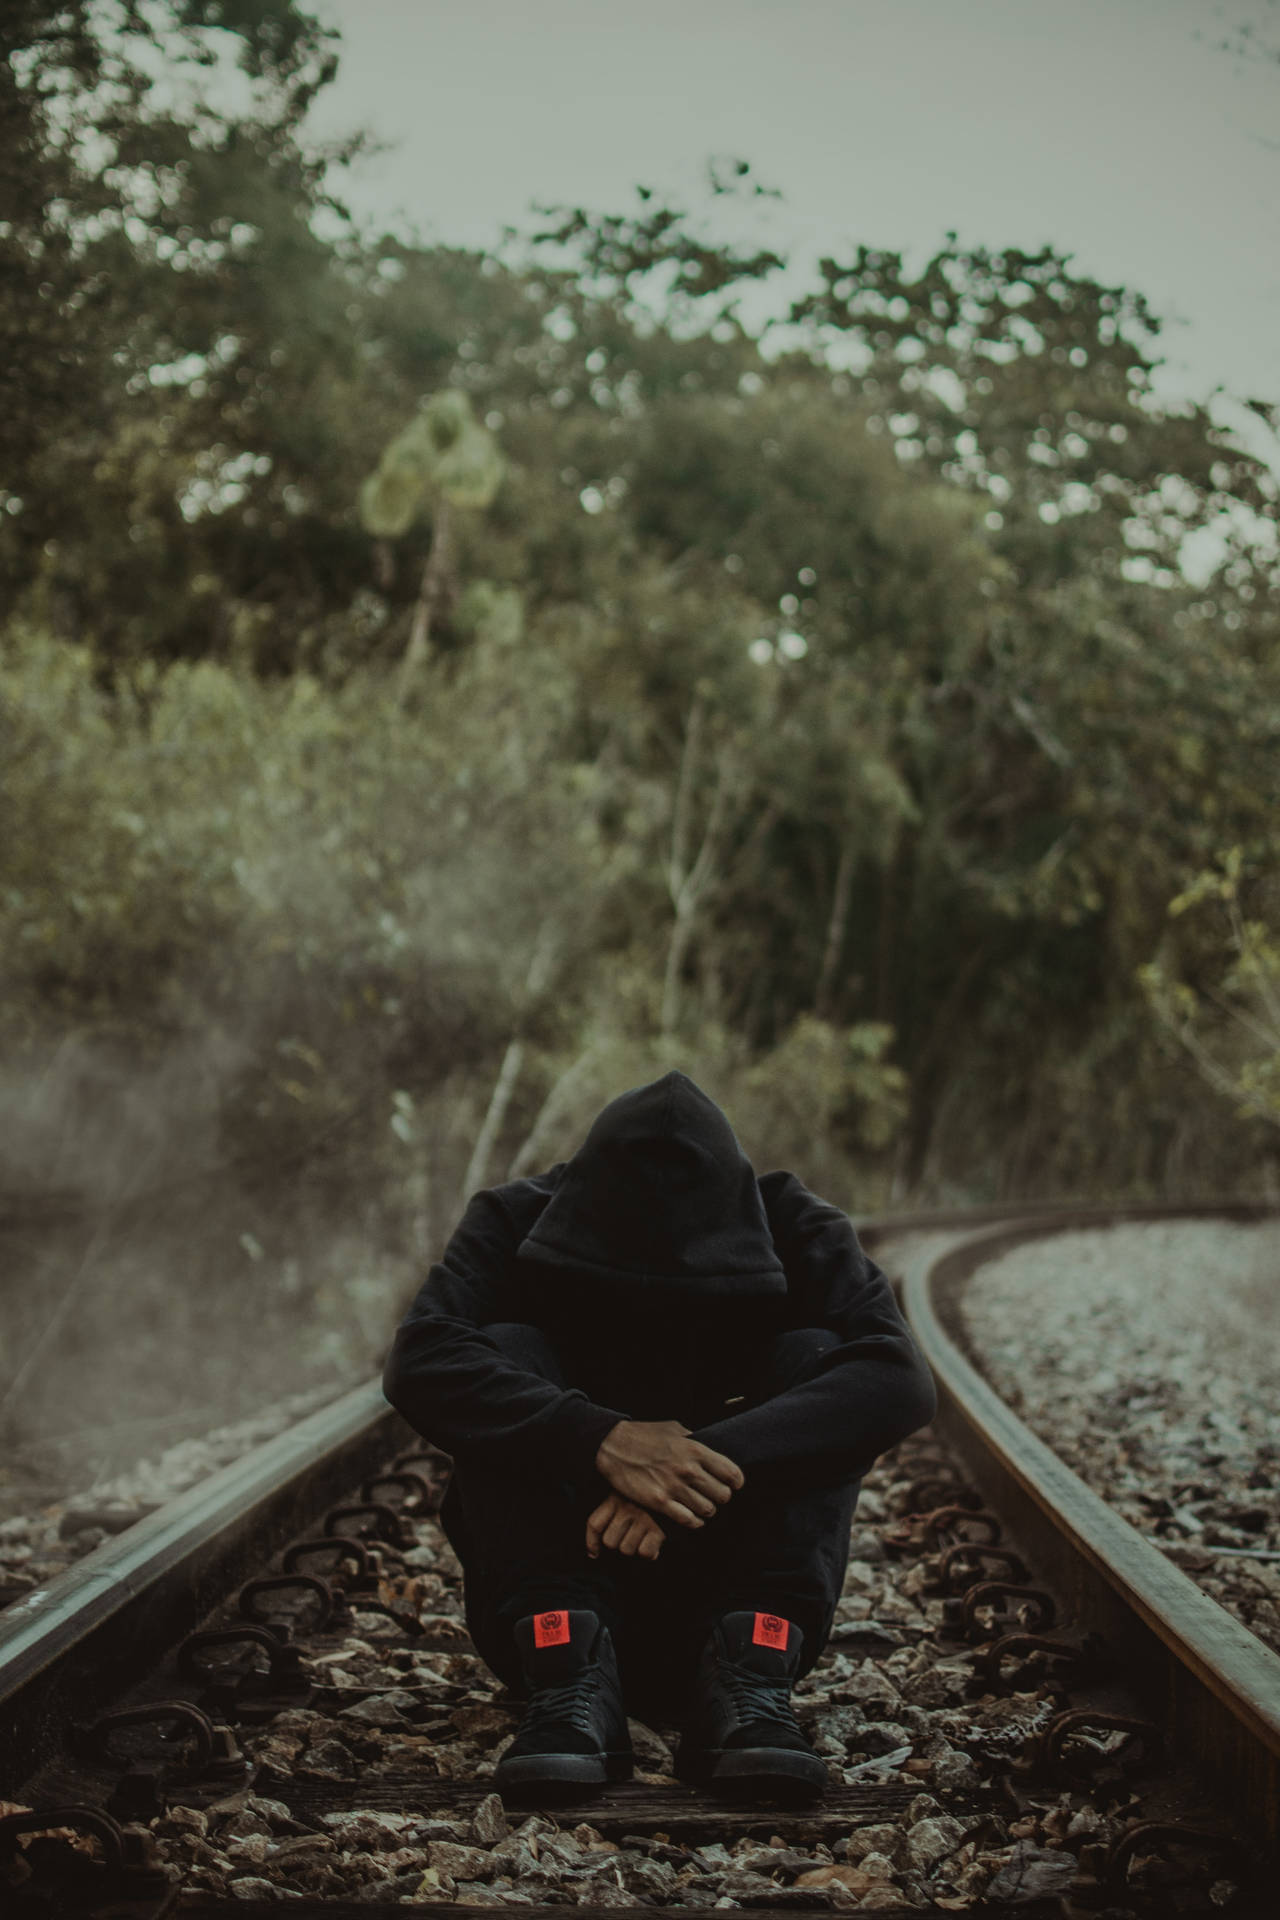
(770,1631)
(552,1629)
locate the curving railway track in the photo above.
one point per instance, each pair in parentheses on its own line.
(262,1694)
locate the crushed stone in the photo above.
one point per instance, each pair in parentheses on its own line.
(1147,1355)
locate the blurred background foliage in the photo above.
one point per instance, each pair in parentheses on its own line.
(440,689)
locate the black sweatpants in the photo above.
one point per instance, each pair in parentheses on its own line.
(522,1544)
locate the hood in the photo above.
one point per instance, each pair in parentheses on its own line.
(660,1195)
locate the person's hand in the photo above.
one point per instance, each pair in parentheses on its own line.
(655,1464)
(622,1524)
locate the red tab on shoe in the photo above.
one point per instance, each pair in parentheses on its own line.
(769,1631)
(552,1629)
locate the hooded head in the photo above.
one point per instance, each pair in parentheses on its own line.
(661,1196)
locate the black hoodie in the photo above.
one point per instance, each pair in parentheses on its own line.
(661,1267)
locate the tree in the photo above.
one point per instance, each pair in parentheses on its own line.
(1257,38)
(1227,1014)
(441,462)
(168,250)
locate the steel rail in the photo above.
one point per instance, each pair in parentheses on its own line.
(1212,1686)
(67,1648)
(1056,1216)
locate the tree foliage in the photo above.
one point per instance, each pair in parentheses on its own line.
(1220,999)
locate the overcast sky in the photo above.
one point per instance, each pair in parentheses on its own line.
(1110,128)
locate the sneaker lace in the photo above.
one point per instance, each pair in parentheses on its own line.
(757,1697)
(571,1702)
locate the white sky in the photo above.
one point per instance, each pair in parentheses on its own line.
(1110,128)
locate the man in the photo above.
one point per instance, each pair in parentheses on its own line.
(661,1380)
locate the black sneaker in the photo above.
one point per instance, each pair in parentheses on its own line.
(742,1735)
(574,1732)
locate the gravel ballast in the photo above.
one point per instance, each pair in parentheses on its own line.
(1148,1356)
(892,1703)
(335,1806)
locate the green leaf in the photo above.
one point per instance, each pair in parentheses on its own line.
(390,501)
(470,473)
(447,417)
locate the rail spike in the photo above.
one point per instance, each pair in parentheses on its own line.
(127,1871)
(342,1549)
(963,1565)
(1155,1835)
(330,1610)
(1050,1755)
(1043,1659)
(1013,1606)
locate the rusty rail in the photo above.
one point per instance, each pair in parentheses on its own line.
(1210,1685)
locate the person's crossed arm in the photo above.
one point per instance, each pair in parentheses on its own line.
(656,1468)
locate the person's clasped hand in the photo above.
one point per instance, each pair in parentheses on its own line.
(657,1466)
(623,1525)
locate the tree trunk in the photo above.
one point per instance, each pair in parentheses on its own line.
(549,1112)
(678,865)
(500,1099)
(688,884)
(825,991)
(677,948)
(885,934)
(928,1069)
(431,596)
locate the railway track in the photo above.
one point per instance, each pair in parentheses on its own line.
(1082,1730)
